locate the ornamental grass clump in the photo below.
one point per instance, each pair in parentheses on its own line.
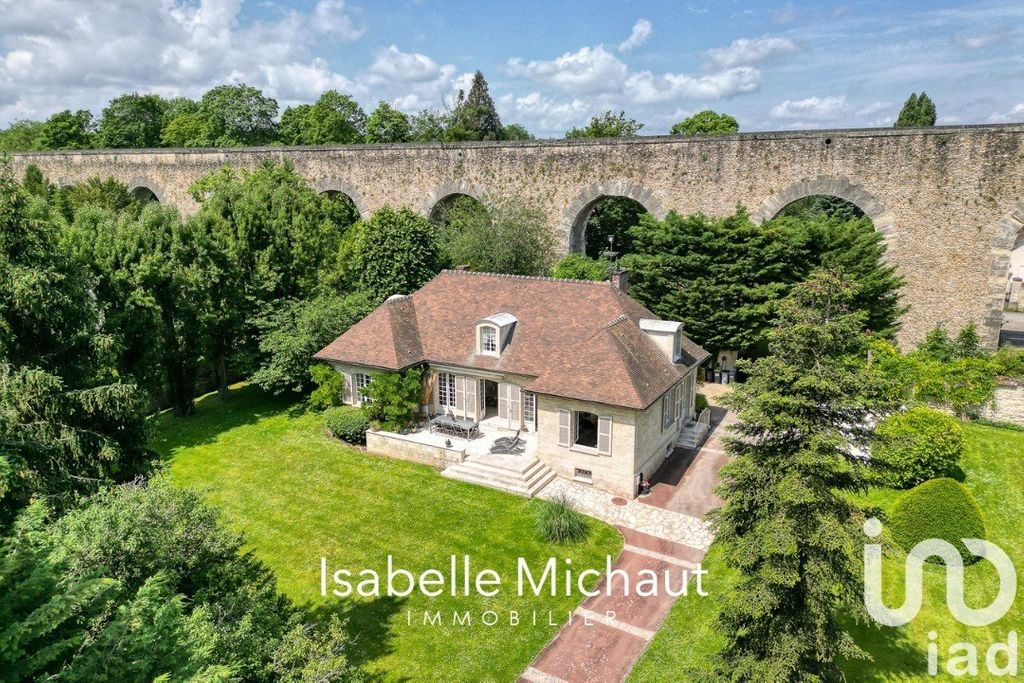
(560,522)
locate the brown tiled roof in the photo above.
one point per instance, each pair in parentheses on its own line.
(576,338)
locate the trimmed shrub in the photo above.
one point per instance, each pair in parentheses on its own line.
(917,445)
(560,522)
(700,402)
(347,423)
(940,508)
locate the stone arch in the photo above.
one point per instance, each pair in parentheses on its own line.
(834,187)
(574,219)
(334,184)
(1004,236)
(145,188)
(446,190)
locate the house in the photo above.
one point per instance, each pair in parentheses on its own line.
(598,387)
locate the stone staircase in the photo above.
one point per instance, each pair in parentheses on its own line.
(522,475)
(694,433)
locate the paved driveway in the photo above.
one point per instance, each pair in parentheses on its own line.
(686,482)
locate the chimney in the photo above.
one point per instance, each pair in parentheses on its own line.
(620,279)
(462,267)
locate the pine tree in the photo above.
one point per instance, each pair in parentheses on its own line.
(786,524)
(917,112)
(476,114)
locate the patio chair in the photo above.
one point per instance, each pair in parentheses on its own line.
(508,445)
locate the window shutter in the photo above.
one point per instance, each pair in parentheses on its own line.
(664,413)
(347,390)
(515,402)
(604,435)
(564,428)
(503,396)
(460,394)
(470,388)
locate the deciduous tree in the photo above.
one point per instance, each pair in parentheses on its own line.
(608,125)
(132,120)
(706,122)
(387,124)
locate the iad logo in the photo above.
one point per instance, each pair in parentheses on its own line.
(965,664)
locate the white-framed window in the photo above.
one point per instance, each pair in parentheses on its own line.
(361,380)
(488,340)
(530,408)
(668,409)
(580,474)
(446,389)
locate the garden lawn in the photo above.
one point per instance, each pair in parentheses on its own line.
(994,468)
(299,495)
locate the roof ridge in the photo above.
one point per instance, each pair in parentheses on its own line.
(543,278)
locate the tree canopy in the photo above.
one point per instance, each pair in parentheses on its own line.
(787,524)
(334,119)
(917,112)
(387,124)
(706,122)
(608,125)
(132,120)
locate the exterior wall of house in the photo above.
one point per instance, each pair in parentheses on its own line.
(614,472)
(349,393)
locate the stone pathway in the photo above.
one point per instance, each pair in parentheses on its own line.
(635,514)
(610,631)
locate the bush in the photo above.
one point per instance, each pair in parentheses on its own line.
(560,522)
(917,445)
(347,423)
(700,402)
(394,399)
(581,267)
(940,508)
(329,386)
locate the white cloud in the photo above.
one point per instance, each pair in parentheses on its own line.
(646,88)
(638,36)
(81,53)
(589,70)
(1014,115)
(546,113)
(749,51)
(810,109)
(329,18)
(407,67)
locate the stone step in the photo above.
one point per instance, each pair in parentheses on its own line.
(524,478)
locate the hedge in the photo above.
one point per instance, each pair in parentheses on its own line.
(347,423)
(940,508)
(917,445)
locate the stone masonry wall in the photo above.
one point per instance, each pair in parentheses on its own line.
(1007,405)
(949,200)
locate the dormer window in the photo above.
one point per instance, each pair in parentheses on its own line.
(494,333)
(488,340)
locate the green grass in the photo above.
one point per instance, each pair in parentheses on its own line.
(994,468)
(299,495)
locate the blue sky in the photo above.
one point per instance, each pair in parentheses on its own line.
(550,64)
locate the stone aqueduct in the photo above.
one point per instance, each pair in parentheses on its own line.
(949,200)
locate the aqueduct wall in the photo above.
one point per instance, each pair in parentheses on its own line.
(949,200)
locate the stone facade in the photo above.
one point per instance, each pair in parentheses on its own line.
(947,199)
(1007,405)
